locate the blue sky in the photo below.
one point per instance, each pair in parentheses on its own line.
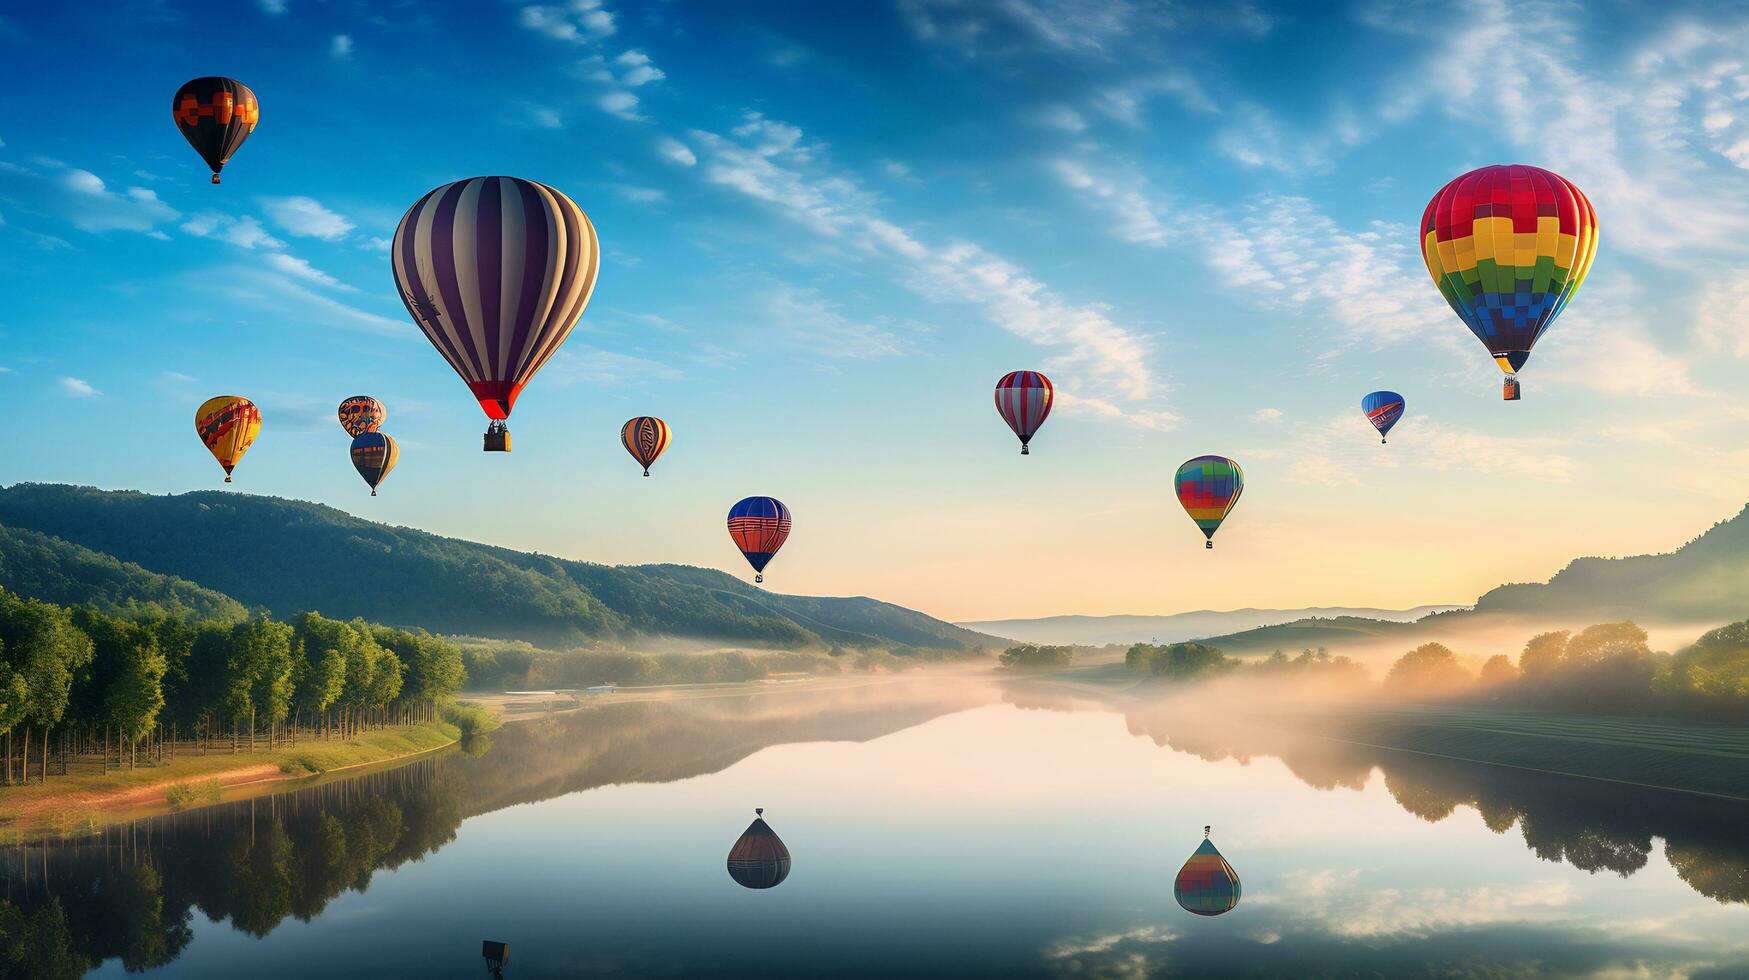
(827,230)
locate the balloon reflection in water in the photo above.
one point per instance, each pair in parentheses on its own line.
(759,859)
(1207,884)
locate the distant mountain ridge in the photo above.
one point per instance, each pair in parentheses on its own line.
(287,555)
(1705,580)
(1176,627)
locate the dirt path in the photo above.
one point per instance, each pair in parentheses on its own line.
(132,796)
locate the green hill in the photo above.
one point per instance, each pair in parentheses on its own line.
(286,555)
(44,567)
(1705,580)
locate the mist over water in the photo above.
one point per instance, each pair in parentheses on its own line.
(968,825)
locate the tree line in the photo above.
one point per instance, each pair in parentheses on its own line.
(79,682)
(1608,668)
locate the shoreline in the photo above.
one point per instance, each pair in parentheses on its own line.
(77,809)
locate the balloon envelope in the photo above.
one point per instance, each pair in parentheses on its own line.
(362,413)
(1207,884)
(215,115)
(759,525)
(374,455)
(759,859)
(1209,488)
(645,437)
(227,425)
(1508,246)
(1023,399)
(496,271)
(1383,409)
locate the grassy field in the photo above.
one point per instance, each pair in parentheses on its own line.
(1659,752)
(87,797)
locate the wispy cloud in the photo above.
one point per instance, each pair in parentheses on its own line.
(1100,360)
(85,201)
(674,151)
(291,265)
(340,48)
(818,325)
(306,217)
(243,232)
(637,69)
(78,388)
(578,22)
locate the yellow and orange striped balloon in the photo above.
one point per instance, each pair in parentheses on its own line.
(228,426)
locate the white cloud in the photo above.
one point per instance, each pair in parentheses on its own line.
(1346,907)
(816,324)
(638,69)
(1342,451)
(89,204)
(244,232)
(377,244)
(291,265)
(1267,415)
(674,151)
(1722,320)
(77,388)
(1137,216)
(544,117)
(1061,117)
(272,8)
(579,22)
(619,103)
(341,46)
(577,363)
(178,377)
(307,217)
(641,195)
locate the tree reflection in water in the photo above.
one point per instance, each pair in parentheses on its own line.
(1593,825)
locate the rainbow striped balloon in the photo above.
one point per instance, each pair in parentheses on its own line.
(1207,884)
(1508,247)
(1209,488)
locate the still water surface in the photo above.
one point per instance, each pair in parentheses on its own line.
(936,828)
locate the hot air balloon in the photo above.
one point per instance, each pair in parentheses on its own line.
(645,437)
(1508,247)
(1209,487)
(215,115)
(496,271)
(759,859)
(228,426)
(1207,884)
(360,414)
(374,455)
(759,526)
(1023,398)
(1383,409)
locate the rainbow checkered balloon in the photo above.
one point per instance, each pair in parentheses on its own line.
(1508,246)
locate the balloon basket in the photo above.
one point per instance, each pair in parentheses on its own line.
(227,477)
(497,438)
(1210,545)
(215,178)
(1509,390)
(758,578)
(1024,451)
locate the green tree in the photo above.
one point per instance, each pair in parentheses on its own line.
(126,684)
(47,652)
(1497,672)
(1542,655)
(1031,656)
(1429,670)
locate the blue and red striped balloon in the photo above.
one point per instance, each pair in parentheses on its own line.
(759,525)
(1383,409)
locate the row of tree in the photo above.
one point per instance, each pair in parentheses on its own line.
(83,681)
(1607,668)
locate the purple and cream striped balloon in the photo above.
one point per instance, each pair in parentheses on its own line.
(496,271)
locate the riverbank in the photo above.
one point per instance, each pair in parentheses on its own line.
(81,802)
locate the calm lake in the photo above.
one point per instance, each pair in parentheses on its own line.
(936,827)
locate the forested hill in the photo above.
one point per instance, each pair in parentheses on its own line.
(288,555)
(43,567)
(1707,578)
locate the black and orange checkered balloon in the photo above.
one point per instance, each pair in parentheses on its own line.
(215,115)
